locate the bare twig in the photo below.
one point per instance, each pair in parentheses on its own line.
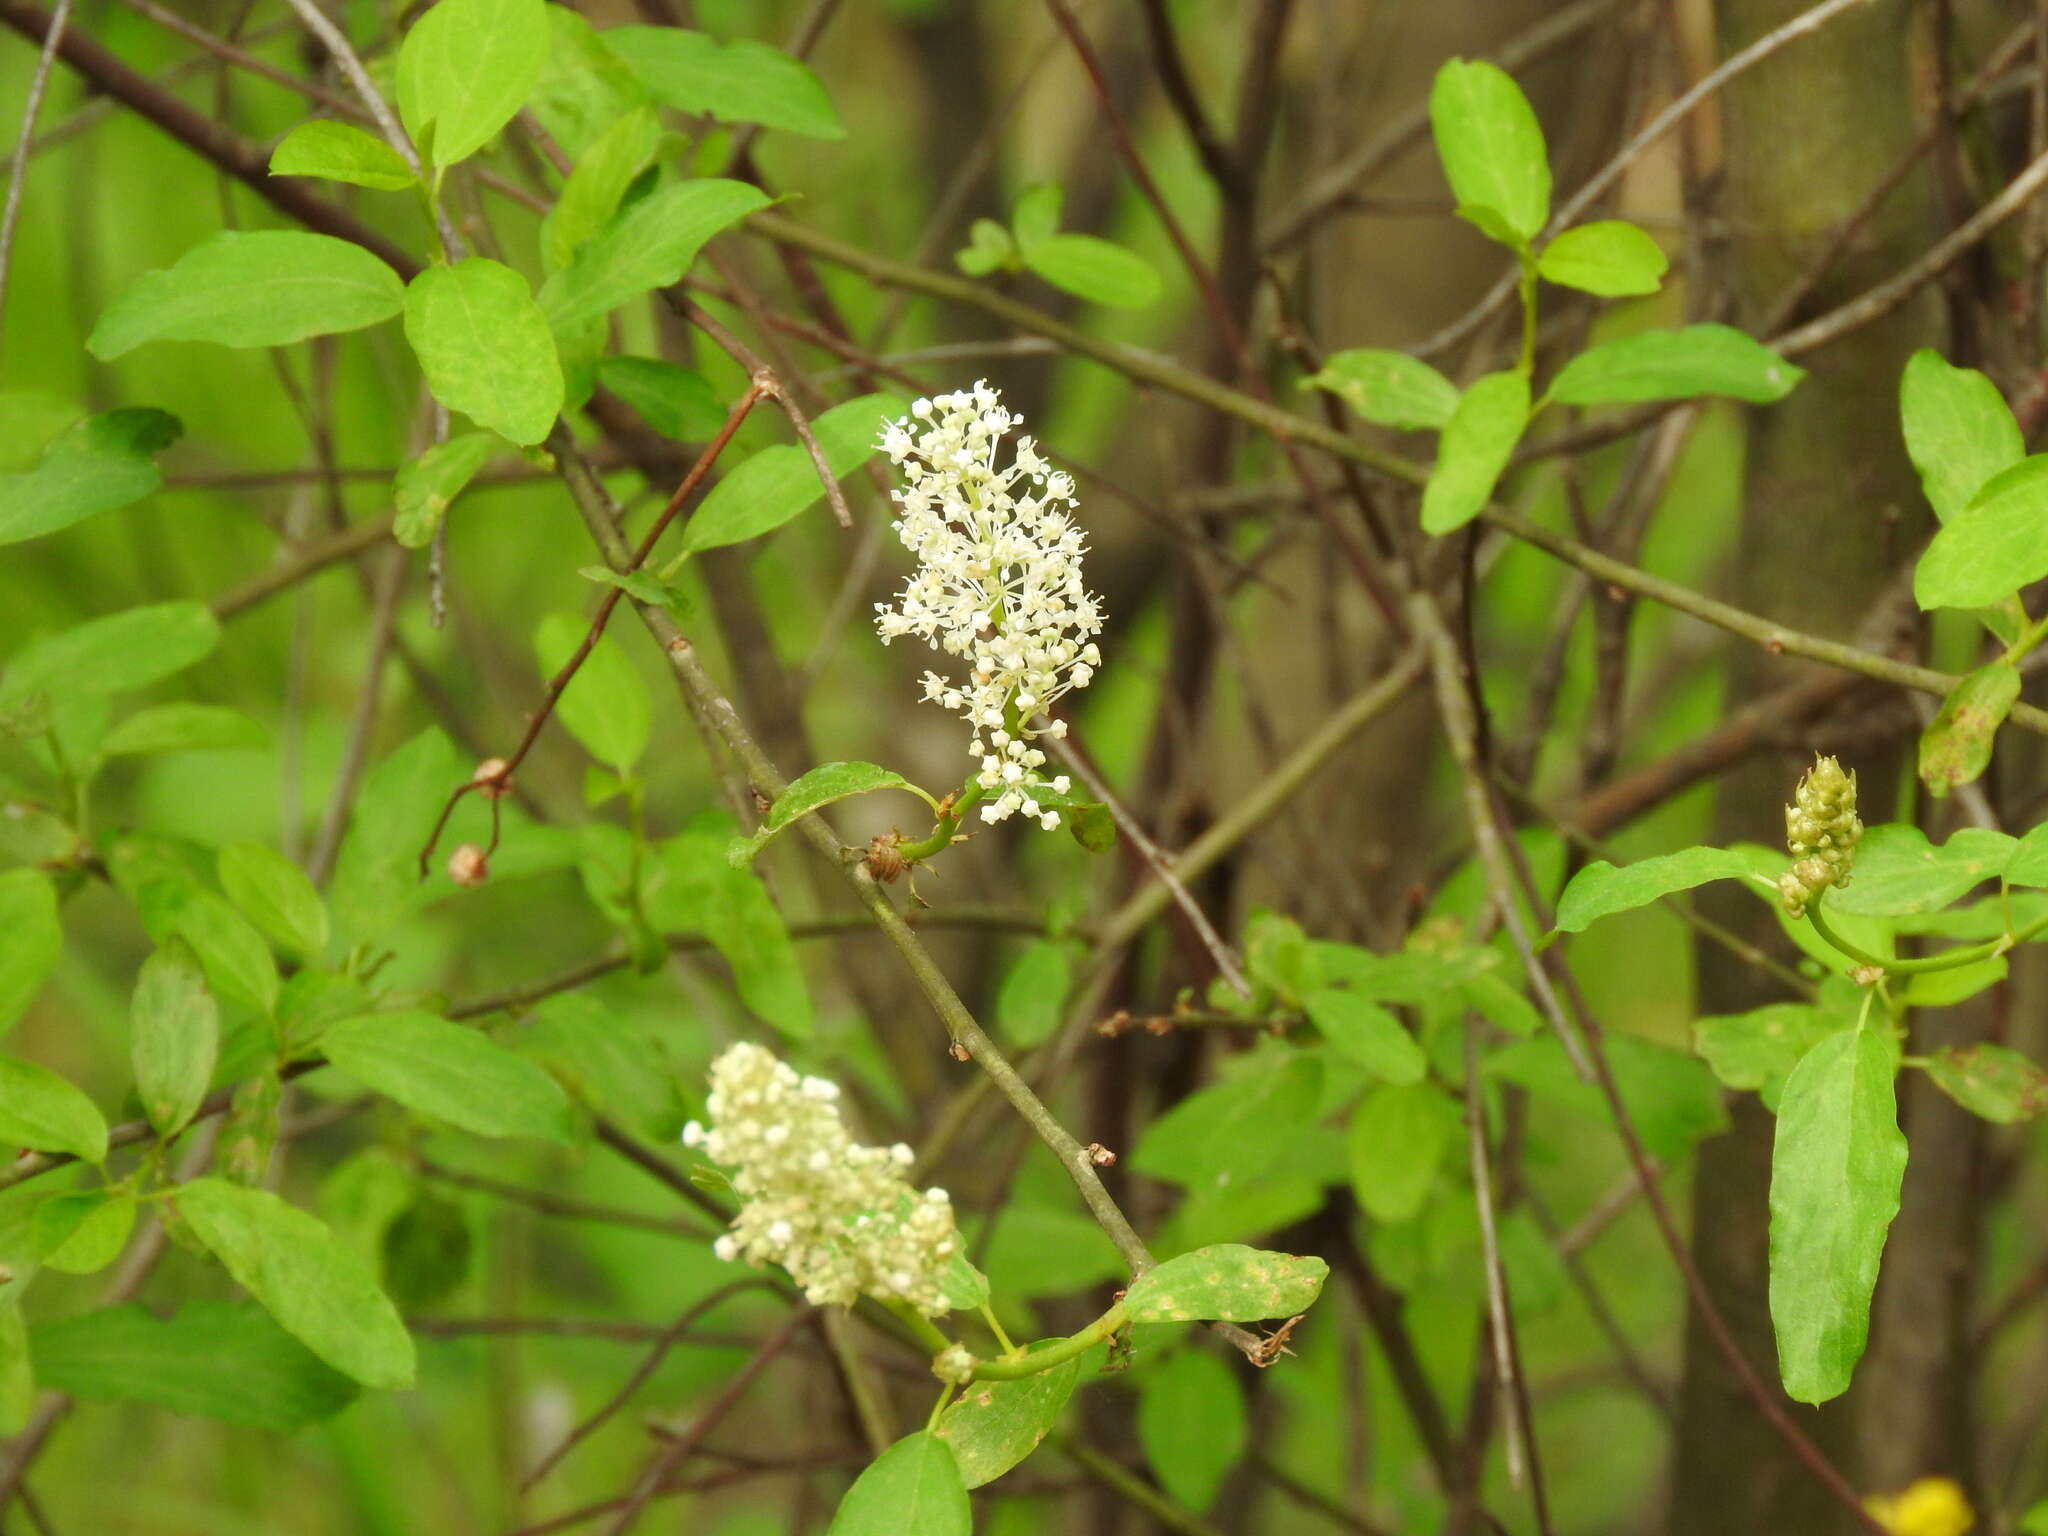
(17,170)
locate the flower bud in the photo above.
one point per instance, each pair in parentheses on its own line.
(468,867)
(491,779)
(1821,833)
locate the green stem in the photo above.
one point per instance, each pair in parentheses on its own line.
(2029,637)
(1527,365)
(1950,960)
(995,1326)
(948,824)
(927,1331)
(1054,1354)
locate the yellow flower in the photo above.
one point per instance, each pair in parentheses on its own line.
(1930,1506)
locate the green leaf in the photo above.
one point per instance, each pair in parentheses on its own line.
(1399,1135)
(82,1233)
(275,895)
(423,490)
(1612,258)
(642,586)
(1999,1084)
(914,1486)
(739,81)
(1670,1095)
(1959,431)
(218,1359)
(97,465)
(2027,866)
(1836,1169)
(1491,146)
(824,785)
(1367,1034)
(996,1424)
(1760,1048)
(174,1036)
(17,1377)
(311,1282)
(1601,889)
(1997,544)
(781,481)
(964,1287)
(1956,746)
(341,152)
(377,873)
(2035,1521)
(1192,1425)
(584,87)
(451,1073)
(677,402)
(1226,1283)
(1042,1250)
(649,244)
(49,1113)
(1033,993)
(1094,270)
(115,654)
(693,888)
(1226,1133)
(989,249)
(1035,215)
(1473,451)
(485,347)
(614,1064)
(263,288)
(237,961)
(1898,871)
(31,939)
(594,189)
(1389,388)
(1676,365)
(464,69)
(185,728)
(606,706)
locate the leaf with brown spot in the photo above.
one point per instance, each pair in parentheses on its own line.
(1228,1282)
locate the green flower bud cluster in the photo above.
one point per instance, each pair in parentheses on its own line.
(838,1216)
(1821,831)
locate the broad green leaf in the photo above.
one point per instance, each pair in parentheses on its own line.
(17,1376)
(824,785)
(174,1036)
(1094,270)
(2028,864)
(82,1233)
(1501,1004)
(964,1287)
(275,895)
(1366,1033)
(677,402)
(1033,993)
(31,939)
(693,888)
(990,248)
(426,1251)
(606,705)
(423,490)
(1995,545)
(1956,746)
(584,87)
(221,1360)
(1836,1169)
(1473,451)
(465,68)
(1959,431)
(237,961)
(611,1063)
(1676,365)
(451,1073)
(1759,1049)
(185,728)
(592,193)
(1389,388)
(341,152)
(642,586)
(739,81)
(102,463)
(1670,1095)
(49,1113)
(1228,1132)
(1897,870)
(1602,889)
(1226,1283)
(262,288)
(115,654)
(1993,1081)
(781,481)
(648,245)
(30,421)
(377,873)
(1192,1425)
(1611,258)
(1035,215)
(1042,1250)
(485,347)
(914,1486)
(996,1424)
(1942,989)
(311,1282)
(1491,145)
(1398,1139)
(1246,1213)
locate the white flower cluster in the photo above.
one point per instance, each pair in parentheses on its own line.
(839,1217)
(998,584)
